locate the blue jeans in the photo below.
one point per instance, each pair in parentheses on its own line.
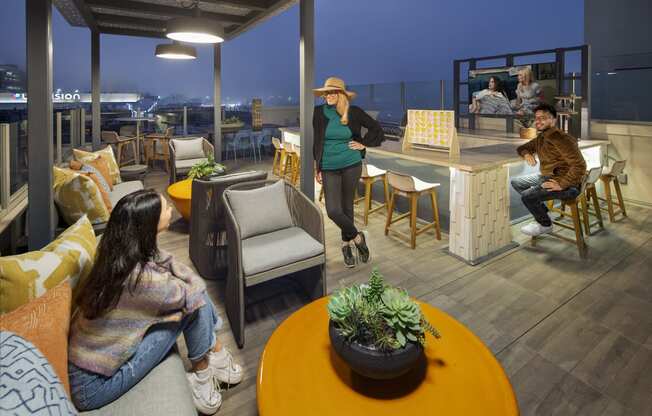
(91,390)
(533,195)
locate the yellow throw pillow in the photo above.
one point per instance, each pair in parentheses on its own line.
(27,276)
(107,154)
(77,195)
(45,323)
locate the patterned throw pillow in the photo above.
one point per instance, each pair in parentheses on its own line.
(101,183)
(27,276)
(107,154)
(77,195)
(101,166)
(29,384)
(45,322)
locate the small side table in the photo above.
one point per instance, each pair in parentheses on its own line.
(133,172)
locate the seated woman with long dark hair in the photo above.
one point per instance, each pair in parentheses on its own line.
(135,304)
(491,100)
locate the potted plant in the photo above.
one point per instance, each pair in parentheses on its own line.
(527,131)
(377,329)
(206,169)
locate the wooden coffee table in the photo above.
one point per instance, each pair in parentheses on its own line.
(180,193)
(300,374)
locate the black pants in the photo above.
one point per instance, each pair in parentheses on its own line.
(339,190)
(533,195)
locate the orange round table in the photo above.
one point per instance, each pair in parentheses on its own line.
(180,194)
(300,374)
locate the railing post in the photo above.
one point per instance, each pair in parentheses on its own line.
(72,129)
(403,99)
(59,140)
(442,90)
(5,166)
(82,127)
(185,120)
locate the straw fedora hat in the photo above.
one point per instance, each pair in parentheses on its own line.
(334,84)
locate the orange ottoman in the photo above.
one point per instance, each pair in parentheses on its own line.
(180,193)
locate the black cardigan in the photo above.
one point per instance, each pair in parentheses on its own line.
(357,119)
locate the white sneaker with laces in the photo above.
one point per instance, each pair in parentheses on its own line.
(534,229)
(224,368)
(205,391)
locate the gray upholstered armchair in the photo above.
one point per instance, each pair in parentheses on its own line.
(186,152)
(207,226)
(273,230)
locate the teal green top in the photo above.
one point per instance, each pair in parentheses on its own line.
(337,154)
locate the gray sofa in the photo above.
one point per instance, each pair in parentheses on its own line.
(164,391)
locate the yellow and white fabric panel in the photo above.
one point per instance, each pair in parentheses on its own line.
(27,276)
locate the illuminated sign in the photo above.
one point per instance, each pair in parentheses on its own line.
(72,97)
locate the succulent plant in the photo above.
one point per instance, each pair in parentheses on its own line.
(378,316)
(205,168)
(402,314)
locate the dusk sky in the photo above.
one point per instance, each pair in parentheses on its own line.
(362,41)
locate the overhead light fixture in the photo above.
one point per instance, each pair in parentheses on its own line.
(195,29)
(175,50)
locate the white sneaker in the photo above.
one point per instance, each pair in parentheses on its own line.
(534,229)
(224,369)
(205,391)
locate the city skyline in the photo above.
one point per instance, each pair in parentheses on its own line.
(353,42)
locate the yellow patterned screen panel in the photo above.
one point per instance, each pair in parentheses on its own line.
(430,127)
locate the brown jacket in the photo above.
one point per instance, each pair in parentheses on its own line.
(559,157)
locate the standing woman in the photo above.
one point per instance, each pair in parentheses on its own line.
(136,302)
(339,148)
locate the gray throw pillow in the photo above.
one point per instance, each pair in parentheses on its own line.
(260,211)
(188,148)
(29,384)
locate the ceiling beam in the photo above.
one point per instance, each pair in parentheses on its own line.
(275,7)
(131,32)
(86,13)
(146,24)
(258,5)
(159,10)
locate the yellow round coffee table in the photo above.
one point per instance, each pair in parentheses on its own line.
(180,193)
(300,374)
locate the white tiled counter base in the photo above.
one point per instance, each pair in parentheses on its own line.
(480,219)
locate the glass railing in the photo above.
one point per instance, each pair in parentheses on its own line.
(13,163)
(389,102)
(622,95)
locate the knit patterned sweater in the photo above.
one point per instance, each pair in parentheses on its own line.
(167,291)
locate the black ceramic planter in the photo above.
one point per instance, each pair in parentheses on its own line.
(375,364)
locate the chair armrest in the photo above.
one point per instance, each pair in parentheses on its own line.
(126,138)
(234,241)
(173,162)
(305,213)
(208,148)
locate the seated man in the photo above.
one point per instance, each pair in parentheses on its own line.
(562,169)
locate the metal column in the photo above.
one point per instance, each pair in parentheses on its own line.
(185,120)
(217,101)
(41,213)
(307,100)
(96,109)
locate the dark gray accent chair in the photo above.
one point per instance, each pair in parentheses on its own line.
(207,226)
(273,230)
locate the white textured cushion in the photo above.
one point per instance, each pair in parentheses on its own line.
(122,189)
(188,163)
(261,210)
(420,185)
(278,248)
(188,148)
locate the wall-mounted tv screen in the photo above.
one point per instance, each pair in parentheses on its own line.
(513,90)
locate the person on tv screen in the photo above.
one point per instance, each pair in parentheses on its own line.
(528,93)
(562,169)
(491,100)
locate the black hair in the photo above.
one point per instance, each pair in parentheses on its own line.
(547,108)
(128,241)
(498,84)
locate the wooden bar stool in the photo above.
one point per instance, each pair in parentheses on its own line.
(591,196)
(371,175)
(278,165)
(411,188)
(575,212)
(608,176)
(292,166)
